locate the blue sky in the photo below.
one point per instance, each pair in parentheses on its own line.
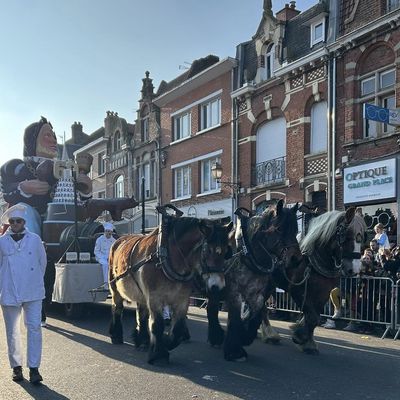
(72,60)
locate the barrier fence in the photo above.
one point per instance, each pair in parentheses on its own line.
(396,301)
(367,299)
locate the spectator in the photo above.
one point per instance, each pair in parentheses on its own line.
(22,268)
(381,237)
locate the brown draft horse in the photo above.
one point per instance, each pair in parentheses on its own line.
(156,276)
(331,246)
(263,242)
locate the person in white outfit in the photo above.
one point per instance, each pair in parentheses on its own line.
(22,268)
(103,246)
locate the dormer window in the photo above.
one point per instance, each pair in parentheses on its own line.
(269,61)
(317,32)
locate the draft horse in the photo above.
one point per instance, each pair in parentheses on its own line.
(262,243)
(330,248)
(156,270)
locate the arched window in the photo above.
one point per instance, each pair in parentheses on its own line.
(319,128)
(119,186)
(117,141)
(271,152)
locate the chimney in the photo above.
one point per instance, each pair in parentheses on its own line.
(77,132)
(288,12)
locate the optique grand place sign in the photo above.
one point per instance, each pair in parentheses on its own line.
(369,182)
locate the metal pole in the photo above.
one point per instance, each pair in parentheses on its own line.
(143,213)
(76,240)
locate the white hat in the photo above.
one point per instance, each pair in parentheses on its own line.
(108,226)
(17,211)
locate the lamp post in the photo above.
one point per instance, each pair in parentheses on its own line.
(216,171)
(143,207)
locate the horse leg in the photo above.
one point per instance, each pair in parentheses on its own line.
(303,331)
(117,307)
(215,332)
(179,328)
(157,349)
(268,332)
(233,350)
(141,335)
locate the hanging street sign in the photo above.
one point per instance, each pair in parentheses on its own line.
(380,114)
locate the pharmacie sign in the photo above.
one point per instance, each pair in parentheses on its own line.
(369,182)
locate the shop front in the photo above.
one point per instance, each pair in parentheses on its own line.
(373,187)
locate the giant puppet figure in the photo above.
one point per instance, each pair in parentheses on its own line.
(23,181)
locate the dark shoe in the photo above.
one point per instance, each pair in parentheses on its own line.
(17,375)
(34,376)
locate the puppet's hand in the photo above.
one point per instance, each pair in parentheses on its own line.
(84,184)
(34,187)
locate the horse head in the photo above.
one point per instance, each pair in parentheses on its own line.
(215,250)
(269,238)
(333,242)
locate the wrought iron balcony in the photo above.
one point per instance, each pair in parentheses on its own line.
(270,172)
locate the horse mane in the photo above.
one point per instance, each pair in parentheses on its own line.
(358,224)
(321,231)
(182,224)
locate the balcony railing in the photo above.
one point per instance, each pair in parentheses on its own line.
(270,172)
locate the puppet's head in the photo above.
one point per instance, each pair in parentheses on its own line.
(40,140)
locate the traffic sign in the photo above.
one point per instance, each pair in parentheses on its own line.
(380,114)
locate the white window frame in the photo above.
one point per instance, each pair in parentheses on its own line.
(117,141)
(318,135)
(315,40)
(119,186)
(182,135)
(101,163)
(207,116)
(269,57)
(183,189)
(373,129)
(208,183)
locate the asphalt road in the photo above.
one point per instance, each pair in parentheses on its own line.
(79,362)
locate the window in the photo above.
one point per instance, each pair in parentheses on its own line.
(392,5)
(117,141)
(145,129)
(119,186)
(319,128)
(101,163)
(208,183)
(269,62)
(145,172)
(210,114)
(183,182)
(182,126)
(271,153)
(317,32)
(101,195)
(378,89)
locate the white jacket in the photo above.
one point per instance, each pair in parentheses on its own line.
(22,268)
(102,248)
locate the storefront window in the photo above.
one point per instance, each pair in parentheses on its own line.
(386,214)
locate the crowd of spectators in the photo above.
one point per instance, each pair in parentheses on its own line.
(363,298)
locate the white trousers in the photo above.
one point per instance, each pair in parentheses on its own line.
(104,266)
(32,318)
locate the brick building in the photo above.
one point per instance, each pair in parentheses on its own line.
(281,100)
(366,58)
(196,133)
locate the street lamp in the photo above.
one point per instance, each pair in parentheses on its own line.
(216,171)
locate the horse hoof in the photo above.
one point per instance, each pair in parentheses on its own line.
(117,341)
(312,352)
(274,341)
(158,358)
(240,356)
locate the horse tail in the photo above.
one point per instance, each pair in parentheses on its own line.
(111,274)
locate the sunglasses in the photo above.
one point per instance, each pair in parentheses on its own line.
(15,221)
